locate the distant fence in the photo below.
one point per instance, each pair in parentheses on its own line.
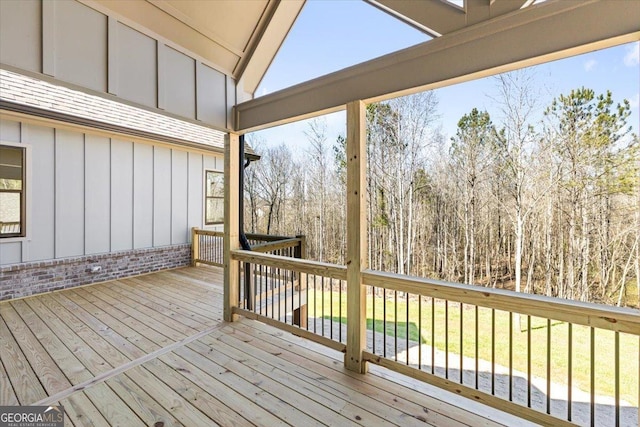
(9,227)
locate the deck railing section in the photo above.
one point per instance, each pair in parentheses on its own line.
(207,247)
(525,354)
(307,298)
(548,360)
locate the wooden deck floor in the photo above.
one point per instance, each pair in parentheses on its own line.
(152,350)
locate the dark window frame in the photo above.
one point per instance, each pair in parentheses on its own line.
(207,197)
(22,192)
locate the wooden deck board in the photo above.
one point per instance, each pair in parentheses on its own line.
(188,323)
(126,333)
(92,339)
(152,349)
(209,310)
(114,409)
(89,358)
(7,394)
(365,400)
(26,386)
(312,401)
(81,411)
(277,405)
(231,398)
(168,305)
(107,325)
(75,371)
(153,319)
(145,407)
(47,371)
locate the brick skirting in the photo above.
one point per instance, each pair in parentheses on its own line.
(19,280)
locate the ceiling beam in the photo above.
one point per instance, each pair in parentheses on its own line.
(538,34)
(440,17)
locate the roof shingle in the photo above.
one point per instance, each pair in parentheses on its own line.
(20,89)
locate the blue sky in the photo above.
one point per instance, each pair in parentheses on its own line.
(333,34)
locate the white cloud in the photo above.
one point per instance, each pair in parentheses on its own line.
(634,102)
(590,65)
(632,57)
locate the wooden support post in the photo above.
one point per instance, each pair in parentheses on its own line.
(195,246)
(300,316)
(300,252)
(301,249)
(231,223)
(356,236)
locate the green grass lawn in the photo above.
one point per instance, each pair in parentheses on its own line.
(420,330)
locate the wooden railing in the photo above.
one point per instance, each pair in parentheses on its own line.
(508,345)
(207,247)
(298,296)
(528,355)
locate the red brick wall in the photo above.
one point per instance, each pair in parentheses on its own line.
(19,280)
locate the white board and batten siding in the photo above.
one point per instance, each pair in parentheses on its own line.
(74,43)
(92,194)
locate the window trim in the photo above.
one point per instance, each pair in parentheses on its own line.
(25,209)
(206,198)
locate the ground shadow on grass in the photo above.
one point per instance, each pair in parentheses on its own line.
(393,329)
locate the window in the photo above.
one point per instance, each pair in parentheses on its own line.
(12,191)
(214,198)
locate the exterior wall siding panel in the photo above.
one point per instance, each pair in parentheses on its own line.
(80,45)
(161,196)
(97,199)
(196,190)
(179,197)
(121,195)
(142,196)
(41,242)
(179,83)
(211,96)
(93,195)
(75,43)
(11,253)
(23,20)
(69,189)
(136,66)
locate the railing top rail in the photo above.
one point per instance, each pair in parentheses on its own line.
(582,313)
(209,232)
(304,266)
(274,246)
(266,237)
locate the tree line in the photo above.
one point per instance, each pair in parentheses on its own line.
(540,199)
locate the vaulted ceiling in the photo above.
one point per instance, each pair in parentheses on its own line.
(241,37)
(237,37)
